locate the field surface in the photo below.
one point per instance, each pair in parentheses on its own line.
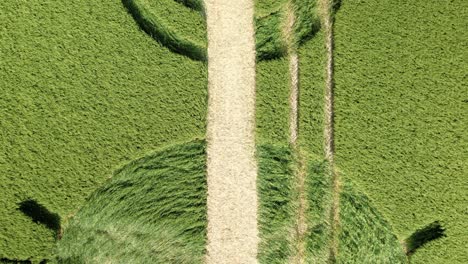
(153,210)
(231,164)
(114,139)
(83,91)
(401,114)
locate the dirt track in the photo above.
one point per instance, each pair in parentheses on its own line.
(325,7)
(232,169)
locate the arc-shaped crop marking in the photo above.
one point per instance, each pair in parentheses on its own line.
(194,4)
(162,30)
(269,36)
(365,236)
(152,210)
(270,43)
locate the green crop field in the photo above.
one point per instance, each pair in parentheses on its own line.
(153,210)
(103,111)
(83,91)
(401,114)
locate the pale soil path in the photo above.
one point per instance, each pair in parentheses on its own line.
(300,172)
(301,221)
(327,24)
(293,97)
(293,75)
(232,169)
(300,227)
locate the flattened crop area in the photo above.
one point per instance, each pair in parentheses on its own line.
(83,91)
(184,131)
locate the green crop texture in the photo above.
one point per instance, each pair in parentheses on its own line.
(401,115)
(83,91)
(153,210)
(180,25)
(276,203)
(176,26)
(273,81)
(312,86)
(271,21)
(272,107)
(89,90)
(197,5)
(365,237)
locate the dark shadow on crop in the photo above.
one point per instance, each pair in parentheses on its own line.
(165,35)
(307,26)
(336,6)
(71,260)
(193,4)
(6,260)
(40,214)
(423,236)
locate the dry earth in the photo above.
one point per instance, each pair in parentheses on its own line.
(232,169)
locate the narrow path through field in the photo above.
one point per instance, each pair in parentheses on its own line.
(232,169)
(293,96)
(327,23)
(325,7)
(300,173)
(300,228)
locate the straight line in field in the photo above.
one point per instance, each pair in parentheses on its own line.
(300,223)
(294,97)
(232,168)
(325,7)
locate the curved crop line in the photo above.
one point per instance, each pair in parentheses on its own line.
(270,43)
(269,38)
(163,34)
(354,206)
(365,236)
(307,22)
(153,210)
(193,4)
(300,227)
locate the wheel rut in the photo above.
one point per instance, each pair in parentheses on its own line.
(326,14)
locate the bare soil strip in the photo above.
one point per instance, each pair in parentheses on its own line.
(232,168)
(300,172)
(300,228)
(300,231)
(327,25)
(294,76)
(294,97)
